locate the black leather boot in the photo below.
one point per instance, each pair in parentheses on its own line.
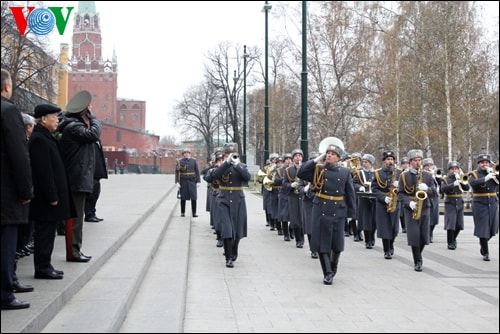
(449,239)
(386,243)
(286,232)
(352,226)
(328,274)
(236,242)
(346,229)
(228,252)
(484,249)
(455,235)
(334,261)
(417,258)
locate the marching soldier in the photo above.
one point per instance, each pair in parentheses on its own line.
(308,194)
(266,190)
(283,211)
(403,166)
(355,165)
(334,201)
(484,183)
(232,210)
(414,188)
(366,201)
(187,180)
(214,188)
(453,190)
(384,187)
(428,165)
(291,187)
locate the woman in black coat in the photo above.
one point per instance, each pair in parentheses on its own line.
(52,201)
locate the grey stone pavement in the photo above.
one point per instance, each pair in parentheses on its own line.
(154,271)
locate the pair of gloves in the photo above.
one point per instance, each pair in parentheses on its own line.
(421,187)
(490,176)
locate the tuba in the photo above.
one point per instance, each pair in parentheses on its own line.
(323,145)
(420,195)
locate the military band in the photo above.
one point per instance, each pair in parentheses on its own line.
(318,197)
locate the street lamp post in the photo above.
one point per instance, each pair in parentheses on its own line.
(267,7)
(245,56)
(235,80)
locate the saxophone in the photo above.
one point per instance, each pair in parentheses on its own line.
(420,195)
(393,193)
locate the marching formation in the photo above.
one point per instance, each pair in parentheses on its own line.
(334,195)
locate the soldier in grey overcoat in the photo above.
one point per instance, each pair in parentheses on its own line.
(453,190)
(417,228)
(232,209)
(384,187)
(335,200)
(484,183)
(291,186)
(187,180)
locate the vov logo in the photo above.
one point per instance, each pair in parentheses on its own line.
(41,21)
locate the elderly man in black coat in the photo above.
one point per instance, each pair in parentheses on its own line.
(52,201)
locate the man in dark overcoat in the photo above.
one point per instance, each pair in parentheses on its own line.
(484,184)
(335,200)
(16,187)
(187,180)
(52,201)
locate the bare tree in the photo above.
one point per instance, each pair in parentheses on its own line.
(198,113)
(34,70)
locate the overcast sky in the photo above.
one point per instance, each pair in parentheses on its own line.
(161,46)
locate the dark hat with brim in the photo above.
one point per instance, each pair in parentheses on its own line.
(45,109)
(79,102)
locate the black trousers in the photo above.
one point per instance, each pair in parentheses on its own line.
(8,254)
(91,200)
(45,234)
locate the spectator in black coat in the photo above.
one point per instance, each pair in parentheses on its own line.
(52,201)
(16,190)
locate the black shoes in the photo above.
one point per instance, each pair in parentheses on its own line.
(299,244)
(328,279)
(314,255)
(418,266)
(16,304)
(387,255)
(182,215)
(220,243)
(486,257)
(451,246)
(229,263)
(81,258)
(20,287)
(195,215)
(93,219)
(48,275)
(286,238)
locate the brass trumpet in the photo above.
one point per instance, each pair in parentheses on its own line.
(496,170)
